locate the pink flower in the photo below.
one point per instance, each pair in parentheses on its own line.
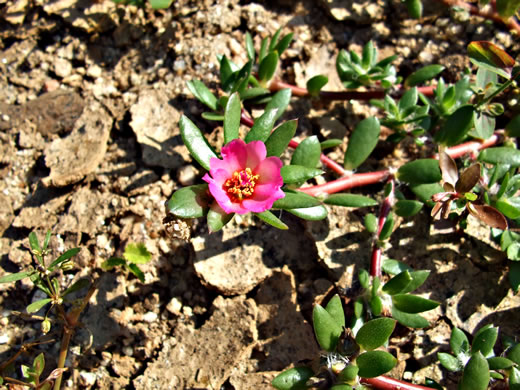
(245,180)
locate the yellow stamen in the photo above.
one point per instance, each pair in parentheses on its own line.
(241,185)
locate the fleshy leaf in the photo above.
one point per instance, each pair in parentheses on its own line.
(280,101)
(293,379)
(420,171)
(448,166)
(283,43)
(279,139)
(316,83)
(15,277)
(202,93)
(458,342)
(426,190)
(349,373)
(468,179)
(35,306)
(424,74)
(250,46)
(489,215)
(484,341)
(262,127)
(64,257)
(307,153)
(449,362)
(510,207)
(196,142)
(271,219)
(326,329)
(514,354)
(413,304)
(217,218)
(398,283)
(298,173)
(232,118)
(310,213)
(407,208)
(190,202)
(491,57)
(268,66)
(296,200)
(350,200)
(456,127)
(160,4)
(501,155)
(362,142)
(370,223)
(375,333)
(418,278)
(514,379)
(335,309)
(484,125)
(414,8)
(499,363)
(411,320)
(476,374)
(375,363)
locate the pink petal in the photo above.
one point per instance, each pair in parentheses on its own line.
(234,155)
(256,153)
(269,171)
(222,198)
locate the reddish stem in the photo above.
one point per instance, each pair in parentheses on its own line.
(386,383)
(386,207)
(277,85)
(490,14)
(472,146)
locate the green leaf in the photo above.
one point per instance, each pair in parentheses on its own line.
(476,374)
(484,125)
(262,127)
(370,223)
(298,173)
(499,363)
(232,118)
(307,153)
(418,278)
(196,142)
(38,364)
(456,127)
(213,116)
(15,277)
(253,93)
(350,200)
(283,43)
(331,143)
(107,265)
(293,379)
(335,309)
(501,155)
(362,142)
(420,171)
(514,379)
(489,56)
(78,285)
(409,99)
(414,8)
(46,240)
(271,219)
(217,218)
(510,207)
(411,320)
(425,191)
(190,202)
(279,139)
(64,257)
(250,47)
(514,277)
(202,93)
(388,227)
(34,243)
(36,306)
(341,386)
(375,333)
(375,363)
(137,253)
(316,83)
(398,283)
(449,362)
(507,8)
(348,374)
(513,127)
(424,74)
(274,39)
(394,267)
(514,354)
(160,4)
(484,341)
(134,269)
(364,278)
(458,342)
(268,66)
(310,213)
(407,208)
(280,101)
(326,329)
(413,304)
(296,200)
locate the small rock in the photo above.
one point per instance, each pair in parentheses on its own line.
(186,175)
(150,317)
(4,339)
(51,85)
(15,13)
(88,378)
(94,71)
(62,68)
(174,306)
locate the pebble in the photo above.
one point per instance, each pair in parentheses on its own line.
(150,317)
(174,306)
(89,378)
(94,71)
(62,68)
(186,175)
(51,85)
(4,339)
(128,350)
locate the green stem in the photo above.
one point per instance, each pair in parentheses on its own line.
(501,89)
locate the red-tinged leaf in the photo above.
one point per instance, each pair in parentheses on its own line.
(489,215)
(436,208)
(448,187)
(491,57)
(446,208)
(448,166)
(469,179)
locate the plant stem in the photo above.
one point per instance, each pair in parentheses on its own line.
(386,207)
(510,23)
(277,85)
(386,383)
(472,146)
(345,183)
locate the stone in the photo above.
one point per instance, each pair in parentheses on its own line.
(155,123)
(359,11)
(72,158)
(62,68)
(205,357)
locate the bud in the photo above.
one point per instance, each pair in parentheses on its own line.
(46,325)
(67,265)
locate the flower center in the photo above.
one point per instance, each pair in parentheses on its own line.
(241,185)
